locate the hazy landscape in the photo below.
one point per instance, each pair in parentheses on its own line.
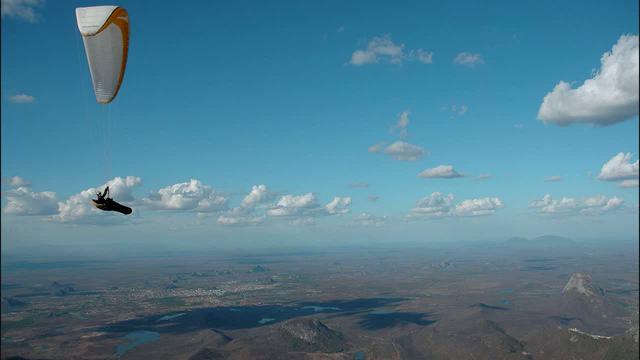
(543,298)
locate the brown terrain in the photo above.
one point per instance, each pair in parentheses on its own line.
(544,298)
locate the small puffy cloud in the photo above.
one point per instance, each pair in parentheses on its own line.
(23,201)
(519,126)
(381,49)
(244,214)
(292,205)
(307,206)
(633,183)
(18,181)
(20,9)
(366,219)
(468,59)
(78,209)
(373,198)
(340,29)
(404,151)
(459,110)
(402,123)
(434,205)
(376,148)
(609,97)
(339,205)
(22,99)
(187,196)
(553,178)
(483,177)
(619,167)
(438,205)
(595,205)
(441,171)
(478,207)
(425,57)
(258,195)
(399,150)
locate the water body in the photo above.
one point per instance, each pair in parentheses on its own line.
(381,312)
(243,317)
(136,338)
(539,268)
(169,317)
(266,320)
(377,320)
(359,355)
(320,308)
(491,307)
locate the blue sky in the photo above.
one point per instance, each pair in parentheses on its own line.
(292,95)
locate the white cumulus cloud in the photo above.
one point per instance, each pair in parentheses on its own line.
(438,205)
(23,201)
(441,171)
(478,207)
(294,205)
(244,214)
(259,195)
(20,9)
(381,49)
(609,97)
(423,56)
(187,196)
(434,205)
(339,205)
(619,167)
(404,151)
(595,205)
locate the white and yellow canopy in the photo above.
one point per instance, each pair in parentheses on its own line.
(105,32)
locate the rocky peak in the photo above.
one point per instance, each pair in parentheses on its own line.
(582,284)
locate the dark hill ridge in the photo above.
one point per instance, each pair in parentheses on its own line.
(311,335)
(10,304)
(59,289)
(258,269)
(544,241)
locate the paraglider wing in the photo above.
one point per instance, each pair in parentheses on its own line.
(105,33)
